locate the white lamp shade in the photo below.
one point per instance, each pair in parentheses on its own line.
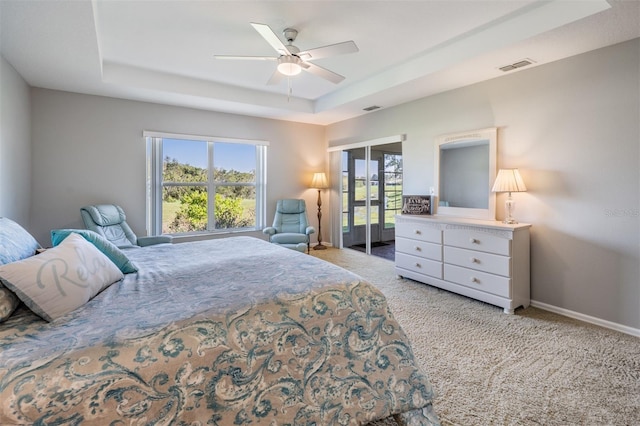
(319,181)
(289,65)
(509,180)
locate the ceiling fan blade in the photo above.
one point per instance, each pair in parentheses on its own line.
(276,77)
(251,58)
(322,72)
(267,33)
(330,50)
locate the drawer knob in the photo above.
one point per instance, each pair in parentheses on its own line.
(418,232)
(474,260)
(418,248)
(473,241)
(474,280)
(418,265)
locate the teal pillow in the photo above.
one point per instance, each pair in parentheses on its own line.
(105,246)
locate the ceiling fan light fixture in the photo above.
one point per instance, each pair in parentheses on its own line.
(289,65)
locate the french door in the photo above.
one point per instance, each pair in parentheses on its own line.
(371,194)
(361,198)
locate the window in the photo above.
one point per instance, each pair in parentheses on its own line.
(201,184)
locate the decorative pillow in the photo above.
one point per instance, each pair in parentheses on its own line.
(62,278)
(8,303)
(105,246)
(15,242)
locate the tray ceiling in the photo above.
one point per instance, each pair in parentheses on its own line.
(163,51)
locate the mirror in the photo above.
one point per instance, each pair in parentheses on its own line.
(464,172)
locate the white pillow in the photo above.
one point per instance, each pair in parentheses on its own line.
(60,279)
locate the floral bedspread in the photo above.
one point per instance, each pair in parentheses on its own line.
(232,331)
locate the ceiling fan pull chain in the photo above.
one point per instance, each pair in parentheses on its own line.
(290,89)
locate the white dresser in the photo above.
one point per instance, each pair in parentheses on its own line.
(485,260)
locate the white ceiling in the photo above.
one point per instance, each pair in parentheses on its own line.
(162,51)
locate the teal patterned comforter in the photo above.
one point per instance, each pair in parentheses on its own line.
(234,331)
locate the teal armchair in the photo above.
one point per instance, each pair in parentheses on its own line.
(110,222)
(290,226)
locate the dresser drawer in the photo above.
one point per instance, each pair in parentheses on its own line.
(478,260)
(494,284)
(419,265)
(419,248)
(420,232)
(477,241)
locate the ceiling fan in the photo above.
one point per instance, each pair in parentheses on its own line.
(292,60)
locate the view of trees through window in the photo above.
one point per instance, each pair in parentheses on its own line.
(192,170)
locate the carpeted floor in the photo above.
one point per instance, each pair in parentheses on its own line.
(489,368)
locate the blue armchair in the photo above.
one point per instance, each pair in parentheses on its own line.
(290,225)
(109,221)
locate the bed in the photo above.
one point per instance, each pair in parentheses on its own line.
(231,331)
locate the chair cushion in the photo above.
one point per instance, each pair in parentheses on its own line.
(289,238)
(106,214)
(291,206)
(109,221)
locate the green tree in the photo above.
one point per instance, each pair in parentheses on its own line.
(176,172)
(229,213)
(192,215)
(393,163)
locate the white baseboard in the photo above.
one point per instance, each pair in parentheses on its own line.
(587,318)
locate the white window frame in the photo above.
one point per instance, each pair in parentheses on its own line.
(154,183)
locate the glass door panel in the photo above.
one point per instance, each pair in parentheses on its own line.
(392,189)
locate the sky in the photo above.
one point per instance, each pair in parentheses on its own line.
(230,156)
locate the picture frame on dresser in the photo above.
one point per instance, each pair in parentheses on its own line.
(417,204)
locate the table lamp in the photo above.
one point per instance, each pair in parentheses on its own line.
(509,180)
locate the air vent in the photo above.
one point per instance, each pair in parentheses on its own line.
(371,108)
(516,65)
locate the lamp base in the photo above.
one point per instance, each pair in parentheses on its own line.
(509,206)
(319,246)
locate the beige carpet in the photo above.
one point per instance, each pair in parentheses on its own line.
(489,368)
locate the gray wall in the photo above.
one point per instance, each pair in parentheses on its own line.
(572,128)
(15,145)
(90,149)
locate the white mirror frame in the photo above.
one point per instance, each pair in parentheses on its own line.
(462,138)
